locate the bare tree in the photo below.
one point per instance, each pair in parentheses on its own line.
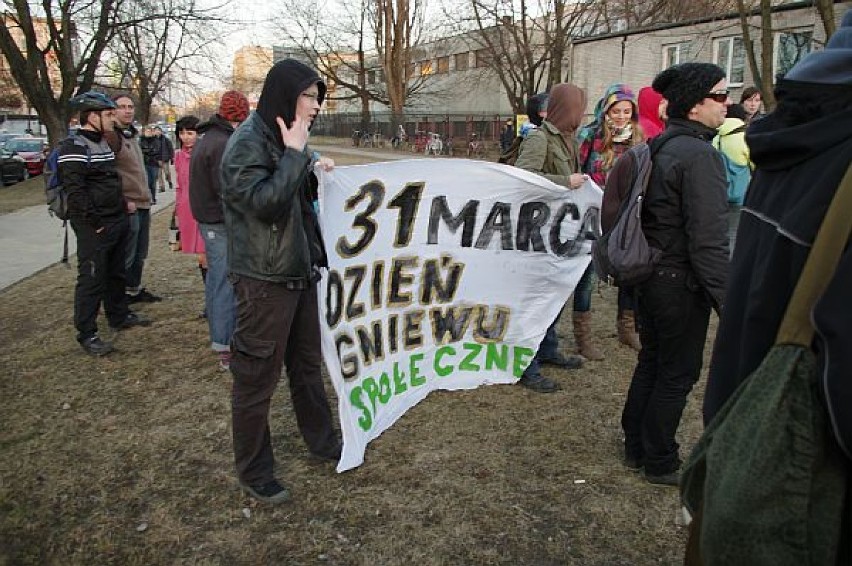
(158,43)
(617,15)
(397,25)
(523,44)
(56,52)
(352,42)
(762,70)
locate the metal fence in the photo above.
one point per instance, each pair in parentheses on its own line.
(485,127)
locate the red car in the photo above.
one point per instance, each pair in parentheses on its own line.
(32,150)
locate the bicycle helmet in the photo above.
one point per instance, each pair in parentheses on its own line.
(91,101)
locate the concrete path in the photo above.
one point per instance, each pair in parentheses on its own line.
(30,240)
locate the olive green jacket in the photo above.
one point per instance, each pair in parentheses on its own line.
(546,153)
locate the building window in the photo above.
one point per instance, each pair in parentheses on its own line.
(675,54)
(371,77)
(426,68)
(462,61)
(790,48)
(729,53)
(443,65)
(482,57)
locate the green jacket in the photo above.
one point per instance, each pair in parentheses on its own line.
(546,153)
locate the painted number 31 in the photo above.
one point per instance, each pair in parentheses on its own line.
(406,201)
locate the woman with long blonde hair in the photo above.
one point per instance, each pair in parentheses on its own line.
(614,130)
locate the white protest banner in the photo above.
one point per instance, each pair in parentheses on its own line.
(443,274)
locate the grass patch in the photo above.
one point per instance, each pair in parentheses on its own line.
(21,195)
(127,460)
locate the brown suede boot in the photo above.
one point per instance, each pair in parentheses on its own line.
(583,336)
(627,330)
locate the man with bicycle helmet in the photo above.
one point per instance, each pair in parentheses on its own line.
(96,206)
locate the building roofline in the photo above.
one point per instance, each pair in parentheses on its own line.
(706,19)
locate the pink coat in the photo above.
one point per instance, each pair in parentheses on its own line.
(190,236)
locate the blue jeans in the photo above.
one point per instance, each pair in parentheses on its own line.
(153,172)
(218,292)
(142,220)
(583,291)
(132,241)
(547,349)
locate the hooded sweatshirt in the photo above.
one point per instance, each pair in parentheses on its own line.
(284,83)
(649,112)
(551,150)
(800,161)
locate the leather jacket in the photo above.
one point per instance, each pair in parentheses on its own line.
(273,232)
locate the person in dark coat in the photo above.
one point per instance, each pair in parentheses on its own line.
(205,200)
(684,217)
(167,159)
(275,253)
(801,151)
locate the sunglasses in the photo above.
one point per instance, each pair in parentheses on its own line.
(718,95)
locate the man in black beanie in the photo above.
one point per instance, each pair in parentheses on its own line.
(275,250)
(683,217)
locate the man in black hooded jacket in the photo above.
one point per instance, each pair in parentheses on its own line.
(275,251)
(801,152)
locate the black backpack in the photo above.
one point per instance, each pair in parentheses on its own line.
(622,254)
(54,191)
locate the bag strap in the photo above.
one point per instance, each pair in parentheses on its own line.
(831,240)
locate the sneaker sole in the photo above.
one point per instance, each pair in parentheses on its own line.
(98,354)
(281,497)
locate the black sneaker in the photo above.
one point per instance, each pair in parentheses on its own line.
(560,361)
(132,319)
(272,492)
(94,346)
(539,383)
(143,296)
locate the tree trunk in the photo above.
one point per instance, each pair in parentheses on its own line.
(826,14)
(767,55)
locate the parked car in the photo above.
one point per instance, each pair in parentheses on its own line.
(32,150)
(14,168)
(5,136)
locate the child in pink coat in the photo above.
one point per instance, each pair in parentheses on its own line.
(190,237)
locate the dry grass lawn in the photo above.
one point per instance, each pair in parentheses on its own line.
(127,460)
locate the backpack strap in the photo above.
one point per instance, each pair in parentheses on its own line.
(831,240)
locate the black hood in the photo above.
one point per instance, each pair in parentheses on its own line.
(809,120)
(284,83)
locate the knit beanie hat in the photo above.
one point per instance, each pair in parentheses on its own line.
(234,106)
(832,65)
(686,85)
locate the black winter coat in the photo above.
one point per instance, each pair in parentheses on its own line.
(798,170)
(205,185)
(273,233)
(686,206)
(88,172)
